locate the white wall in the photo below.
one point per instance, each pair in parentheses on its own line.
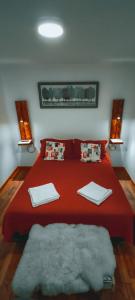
(115,81)
(8,161)
(130,155)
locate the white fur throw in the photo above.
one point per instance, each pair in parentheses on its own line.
(61,258)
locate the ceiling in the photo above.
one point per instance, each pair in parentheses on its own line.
(95,31)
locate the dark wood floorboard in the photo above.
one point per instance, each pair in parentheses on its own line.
(10,253)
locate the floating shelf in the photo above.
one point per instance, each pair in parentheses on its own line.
(115,141)
(25,142)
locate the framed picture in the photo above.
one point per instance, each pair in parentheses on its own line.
(68,94)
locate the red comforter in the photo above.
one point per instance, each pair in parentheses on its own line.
(68,176)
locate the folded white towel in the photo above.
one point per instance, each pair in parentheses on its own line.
(43,194)
(94,192)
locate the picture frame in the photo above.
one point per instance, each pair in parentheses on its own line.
(68,94)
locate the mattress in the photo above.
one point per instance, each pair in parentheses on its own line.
(68,176)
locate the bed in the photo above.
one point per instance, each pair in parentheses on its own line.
(68,176)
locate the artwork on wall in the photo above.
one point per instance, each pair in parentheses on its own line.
(68,94)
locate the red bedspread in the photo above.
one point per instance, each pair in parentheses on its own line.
(68,176)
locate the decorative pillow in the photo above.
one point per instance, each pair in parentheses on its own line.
(54,151)
(68,154)
(90,152)
(77,147)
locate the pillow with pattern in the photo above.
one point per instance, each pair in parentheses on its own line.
(54,151)
(77,147)
(68,143)
(90,152)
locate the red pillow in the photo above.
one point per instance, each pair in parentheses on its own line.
(77,147)
(68,154)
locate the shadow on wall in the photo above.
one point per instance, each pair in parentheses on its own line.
(26,155)
(130,154)
(117,156)
(7,146)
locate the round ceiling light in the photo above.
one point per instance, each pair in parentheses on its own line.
(50,30)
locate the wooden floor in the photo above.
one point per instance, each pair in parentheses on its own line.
(10,253)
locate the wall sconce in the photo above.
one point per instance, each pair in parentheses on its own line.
(116,121)
(23,122)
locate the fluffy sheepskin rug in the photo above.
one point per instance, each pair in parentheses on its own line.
(61,258)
